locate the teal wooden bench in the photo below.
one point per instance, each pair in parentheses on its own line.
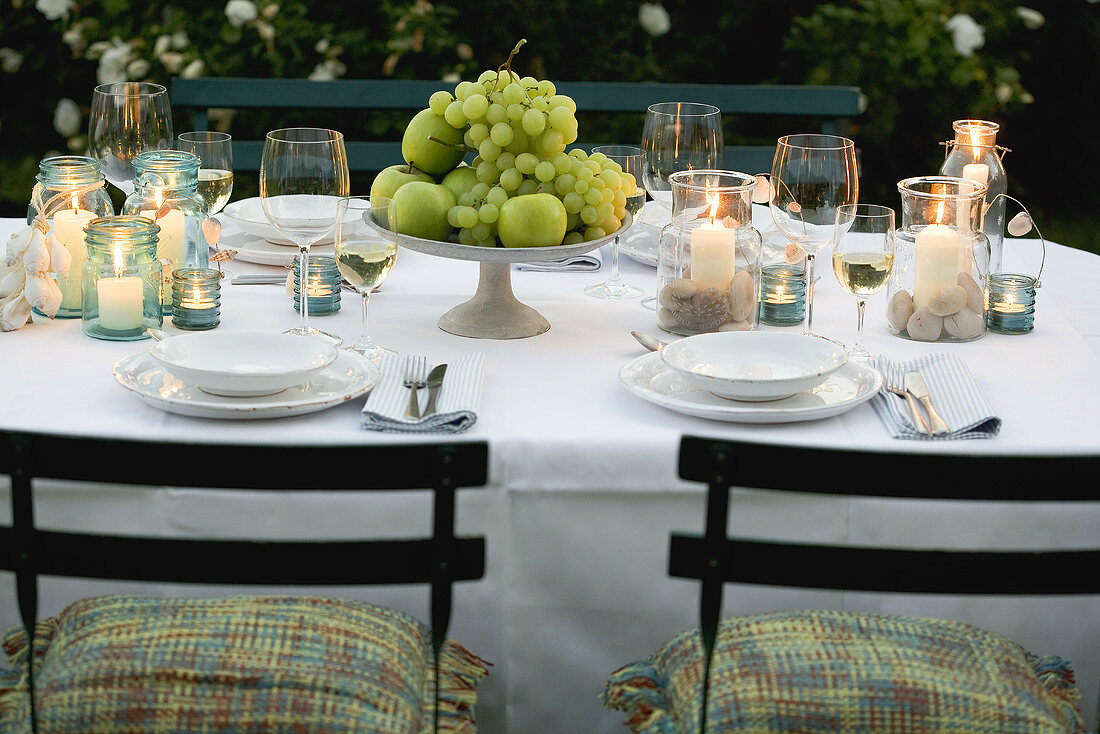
(826,106)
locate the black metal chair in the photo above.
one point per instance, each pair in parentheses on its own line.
(715,559)
(439,560)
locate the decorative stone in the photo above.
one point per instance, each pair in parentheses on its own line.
(899,310)
(706,310)
(948,301)
(924,325)
(668,298)
(965,324)
(742,296)
(1019,225)
(683,288)
(666,317)
(975,298)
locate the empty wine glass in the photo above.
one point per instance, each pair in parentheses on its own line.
(215,152)
(863,257)
(303,174)
(678,136)
(363,257)
(630,158)
(812,175)
(127,119)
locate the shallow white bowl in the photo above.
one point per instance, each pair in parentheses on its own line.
(248,214)
(754,365)
(243,363)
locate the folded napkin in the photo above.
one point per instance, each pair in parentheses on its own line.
(577,264)
(955,395)
(456,405)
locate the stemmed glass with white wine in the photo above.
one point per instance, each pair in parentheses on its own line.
(215,152)
(678,136)
(812,176)
(363,257)
(863,257)
(629,159)
(303,174)
(127,119)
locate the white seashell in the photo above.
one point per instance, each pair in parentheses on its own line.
(212,231)
(924,325)
(794,252)
(36,258)
(1020,224)
(899,310)
(763,192)
(12,281)
(975,298)
(14,312)
(37,289)
(290,284)
(950,300)
(60,259)
(965,324)
(742,296)
(18,242)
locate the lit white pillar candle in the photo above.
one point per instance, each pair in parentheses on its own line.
(976,172)
(68,229)
(171,243)
(121,303)
(712,255)
(936,260)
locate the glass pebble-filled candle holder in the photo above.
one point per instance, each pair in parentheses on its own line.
(1011,303)
(323,281)
(782,295)
(196,298)
(121,279)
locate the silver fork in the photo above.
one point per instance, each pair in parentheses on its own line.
(416,376)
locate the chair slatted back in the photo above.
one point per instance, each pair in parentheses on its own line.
(714,559)
(439,560)
(826,105)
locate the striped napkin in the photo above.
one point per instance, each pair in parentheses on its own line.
(456,406)
(955,394)
(577,264)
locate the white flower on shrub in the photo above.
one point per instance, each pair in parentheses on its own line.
(73,37)
(327,70)
(240,12)
(172,60)
(113,62)
(161,46)
(322,46)
(180,40)
(265,30)
(137,68)
(54,9)
(654,19)
(10,60)
(452,77)
(194,69)
(66,118)
(271,10)
(966,34)
(1032,18)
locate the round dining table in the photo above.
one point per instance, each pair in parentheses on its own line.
(583,487)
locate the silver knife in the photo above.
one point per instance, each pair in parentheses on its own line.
(435,381)
(914,383)
(273,280)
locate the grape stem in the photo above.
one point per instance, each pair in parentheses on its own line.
(456,146)
(507,65)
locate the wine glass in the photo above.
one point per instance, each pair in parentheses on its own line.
(363,257)
(812,175)
(215,152)
(303,173)
(630,159)
(863,257)
(678,136)
(128,118)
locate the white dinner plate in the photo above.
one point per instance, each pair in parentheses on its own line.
(248,214)
(252,249)
(651,379)
(345,379)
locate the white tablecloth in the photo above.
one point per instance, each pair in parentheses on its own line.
(583,489)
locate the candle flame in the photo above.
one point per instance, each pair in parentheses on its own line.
(941,207)
(712,201)
(75,203)
(119,263)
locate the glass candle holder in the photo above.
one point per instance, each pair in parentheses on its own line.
(196,298)
(708,258)
(323,281)
(71,190)
(121,279)
(975,155)
(941,262)
(1011,303)
(782,295)
(165,191)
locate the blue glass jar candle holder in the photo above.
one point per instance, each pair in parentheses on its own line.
(782,295)
(121,279)
(1011,303)
(72,192)
(196,298)
(323,281)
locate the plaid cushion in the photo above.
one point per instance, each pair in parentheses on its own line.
(828,671)
(237,664)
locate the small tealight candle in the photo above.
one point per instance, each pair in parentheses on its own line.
(1011,307)
(322,285)
(782,295)
(196,298)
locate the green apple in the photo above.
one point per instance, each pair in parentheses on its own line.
(460,180)
(432,145)
(420,210)
(390,179)
(532,220)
